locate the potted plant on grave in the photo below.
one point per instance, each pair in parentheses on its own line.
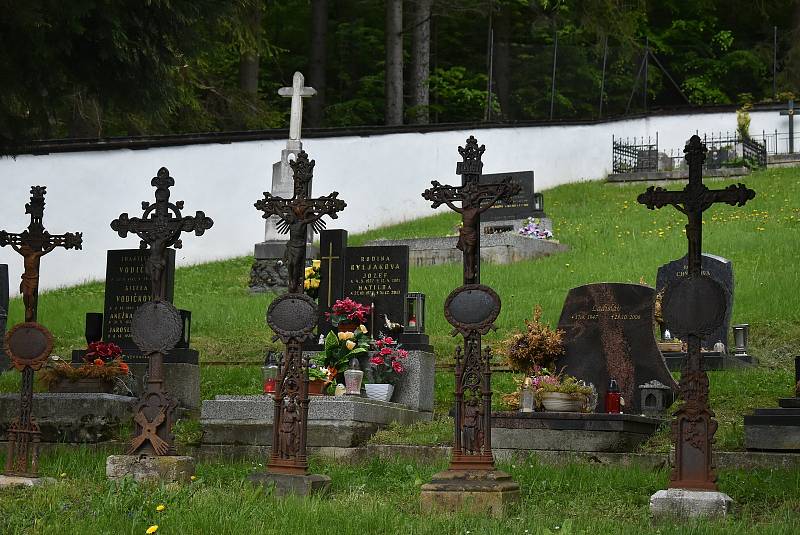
(386,368)
(539,346)
(342,346)
(312,279)
(102,366)
(347,315)
(561,392)
(319,377)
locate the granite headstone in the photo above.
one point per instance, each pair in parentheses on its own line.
(609,335)
(520,206)
(332,247)
(379,276)
(716,267)
(5,362)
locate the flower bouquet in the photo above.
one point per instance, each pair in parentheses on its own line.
(312,278)
(102,364)
(319,377)
(341,347)
(561,392)
(532,228)
(387,366)
(347,314)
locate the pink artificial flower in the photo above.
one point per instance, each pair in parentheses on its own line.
(376,360)
(389,341)
(396,366)
(385,351)
(403,353)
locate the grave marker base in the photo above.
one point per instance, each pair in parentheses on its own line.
(682,503)
(477,491)
(296,484)
(20,481)
(150,469)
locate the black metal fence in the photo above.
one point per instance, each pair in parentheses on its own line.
(778,142)
(635,156)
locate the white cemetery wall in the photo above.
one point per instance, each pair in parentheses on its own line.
(381,177)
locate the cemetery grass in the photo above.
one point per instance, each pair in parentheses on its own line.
(379,496)
(611,238)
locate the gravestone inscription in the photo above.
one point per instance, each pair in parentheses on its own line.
(5,362)
(716,267)
(378,276)
(609,335)
(517,206)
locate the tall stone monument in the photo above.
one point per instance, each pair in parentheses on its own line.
(269,272)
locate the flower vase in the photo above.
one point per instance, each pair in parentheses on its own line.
(378,391)
(558,402)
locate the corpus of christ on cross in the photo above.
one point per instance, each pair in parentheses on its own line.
(293,316)
(697,305)
(472,446)
(30,338)
(156,324)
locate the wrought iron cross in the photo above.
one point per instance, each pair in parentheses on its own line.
(472,446)
(293,315)
(475,198)
(696,302)
(33,243)
(159,227)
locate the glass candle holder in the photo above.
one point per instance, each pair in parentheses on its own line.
(352,378)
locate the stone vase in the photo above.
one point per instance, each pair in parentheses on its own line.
(558,402)
(379,391)
(86,385)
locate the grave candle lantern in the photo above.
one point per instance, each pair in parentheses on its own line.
(741,333)
(538,202)
(270,373)
(352,378)
(414,313)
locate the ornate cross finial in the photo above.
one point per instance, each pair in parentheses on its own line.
(472,164)
(36,208)
(695,151)
(303,170)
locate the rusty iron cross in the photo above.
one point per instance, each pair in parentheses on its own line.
(160,227)
(33,243)
(297,213)
(475,198)
(694,426)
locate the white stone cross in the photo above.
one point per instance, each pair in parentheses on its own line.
(296,92)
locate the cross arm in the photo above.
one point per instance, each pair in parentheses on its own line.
(735,195)
(8,238)
(272,205)
(441,194)
(502,190)
(197,224)
(68,240)
(655,197)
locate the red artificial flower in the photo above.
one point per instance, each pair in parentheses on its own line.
(376,360)
(403,353)
(396,366)
(385,351)
(379,343)
(389,341)
(99,362)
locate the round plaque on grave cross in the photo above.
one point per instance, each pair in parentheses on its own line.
(292,316)
(695,305)
(156,327)
(472,307)
(28,345)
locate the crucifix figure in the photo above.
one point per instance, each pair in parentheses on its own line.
(789,111)
(159,227)
(297,92)
(697,303)
(32,243)
(472,448)
(296,215)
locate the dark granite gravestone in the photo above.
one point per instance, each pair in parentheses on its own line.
(609,335)
(5,362)
(127,286)
(520,206)
(716,267)
(379,276)
(332,248)
(776,429)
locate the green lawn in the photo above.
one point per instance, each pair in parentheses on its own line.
(612,238)
(380,497)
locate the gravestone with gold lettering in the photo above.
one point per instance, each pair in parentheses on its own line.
(378,276)
(608,334)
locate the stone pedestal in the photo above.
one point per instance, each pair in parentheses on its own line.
(151,469)
(181,380)
(72,418)
(476,491)
(416,384)
(683,503)
(712,361)
(774,429)
(269,273)
(285,484)
(515,431)
(513,225)
(19,481)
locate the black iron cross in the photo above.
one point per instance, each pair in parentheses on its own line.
(160,227)
(33,244)
(296,214)
(790,112)
(697,302)
(475,198)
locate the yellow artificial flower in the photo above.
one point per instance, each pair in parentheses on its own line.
(347,335)
(152,529)
(160,507)
(314,283)
(349,345)
(309,271)
(363,329)
(306,284)
(316,263)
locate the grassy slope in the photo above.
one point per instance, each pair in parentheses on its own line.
(612,238)
(379,497)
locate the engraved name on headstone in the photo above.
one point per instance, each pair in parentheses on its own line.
(378,275)
(518,206)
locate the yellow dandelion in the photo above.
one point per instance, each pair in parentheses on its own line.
(152,529)
(160,507)
(193,478)
(63,474)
